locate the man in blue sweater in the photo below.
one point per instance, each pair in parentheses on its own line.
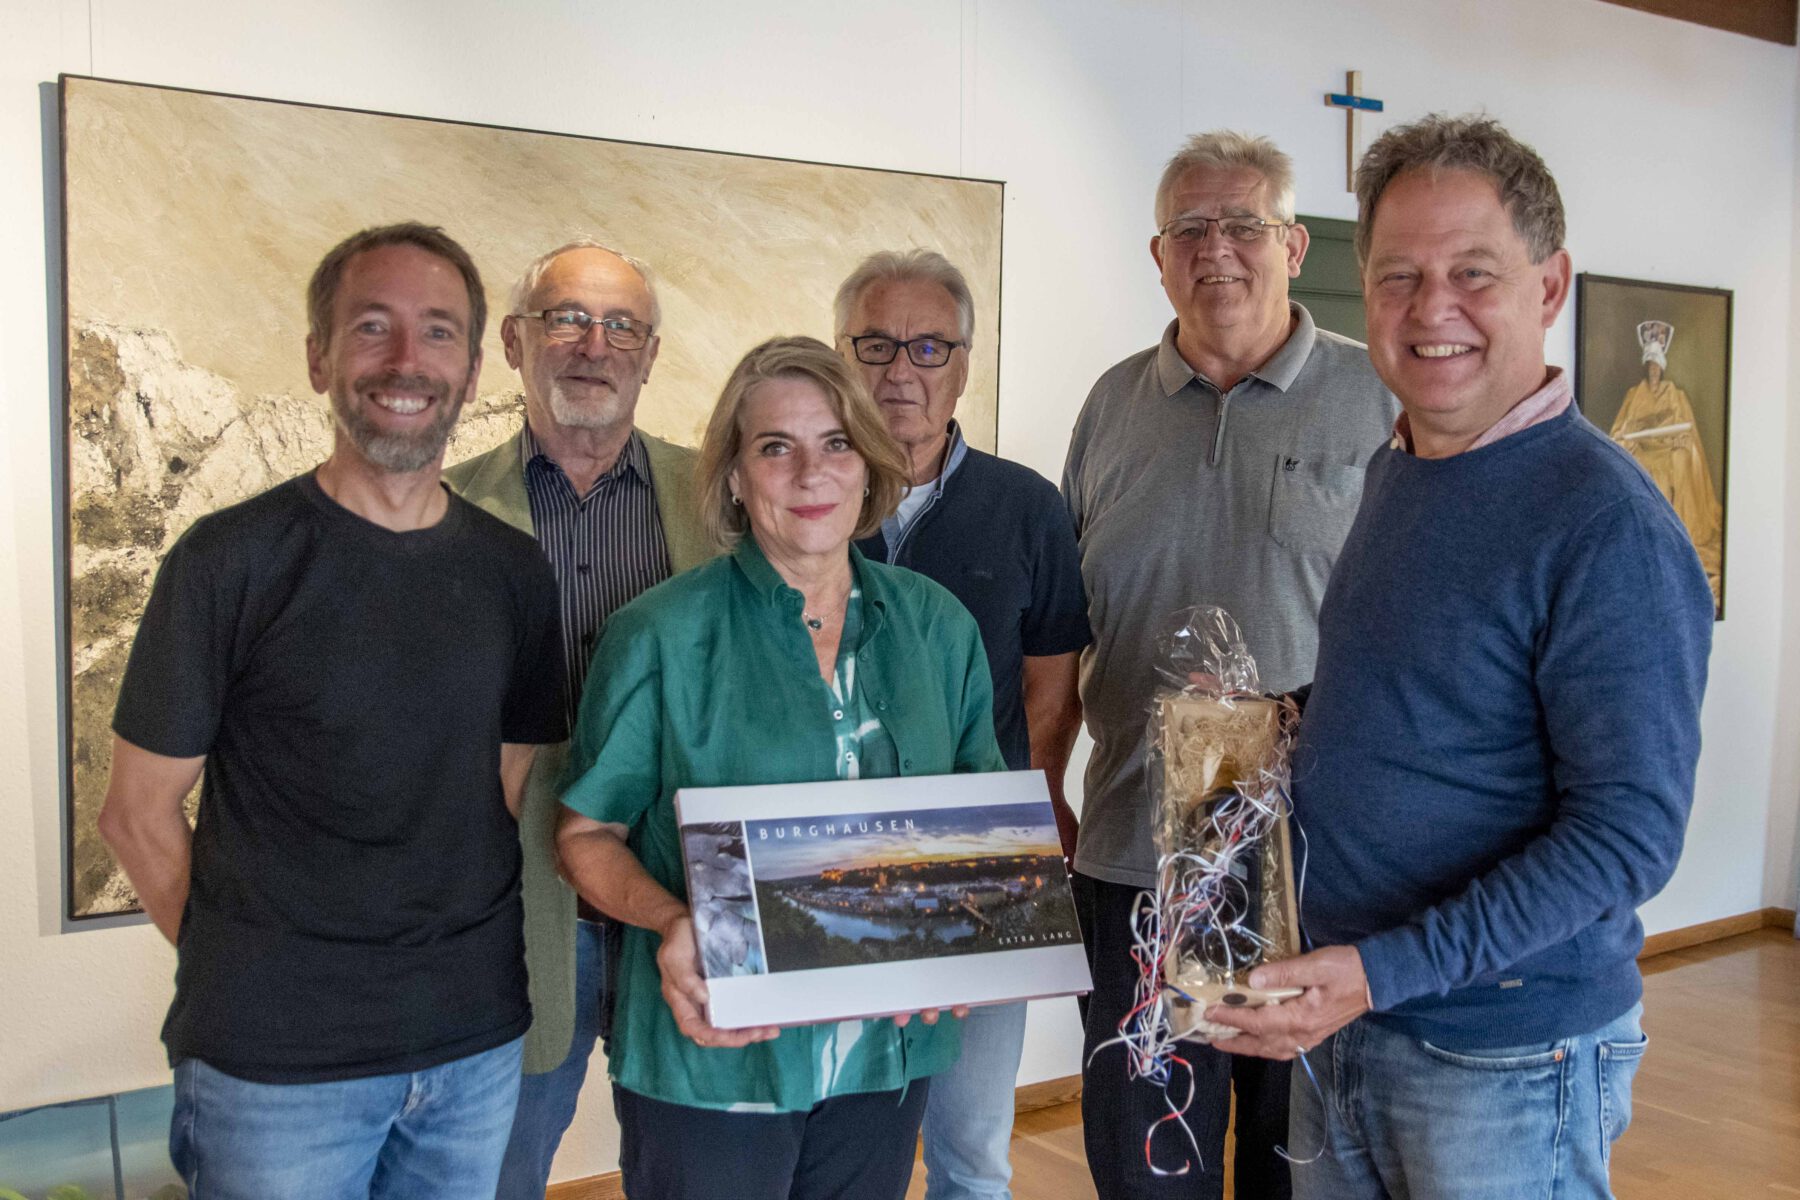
(1496,758)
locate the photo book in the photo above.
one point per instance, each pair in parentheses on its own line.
(865,898)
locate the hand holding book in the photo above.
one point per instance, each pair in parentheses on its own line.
(683,988)
(930,1015)
(685,992)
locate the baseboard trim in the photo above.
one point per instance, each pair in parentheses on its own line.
(1051,1092)
(1047,1094)
(1713,931)
(595,1187)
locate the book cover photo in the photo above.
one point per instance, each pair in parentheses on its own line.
(833,900)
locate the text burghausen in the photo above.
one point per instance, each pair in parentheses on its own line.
(834,829)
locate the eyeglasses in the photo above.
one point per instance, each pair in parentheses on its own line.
(1191,231)
(572,325)
(875,350)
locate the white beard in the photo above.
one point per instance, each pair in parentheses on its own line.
(589,414)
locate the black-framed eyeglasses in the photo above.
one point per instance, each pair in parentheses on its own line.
(875,350)
(571,325)
(1191,231)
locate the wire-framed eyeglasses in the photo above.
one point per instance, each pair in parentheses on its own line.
(1191,231)
(572,325)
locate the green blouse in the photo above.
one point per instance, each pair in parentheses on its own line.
(710,680)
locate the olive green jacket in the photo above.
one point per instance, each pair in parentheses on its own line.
(495,481)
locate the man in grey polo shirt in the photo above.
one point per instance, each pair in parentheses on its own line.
(1222,466)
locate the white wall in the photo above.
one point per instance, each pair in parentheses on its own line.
(1675,146)
(1781,876)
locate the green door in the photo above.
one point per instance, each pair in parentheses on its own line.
(1329,284)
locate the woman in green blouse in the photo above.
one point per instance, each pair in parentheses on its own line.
(789,659)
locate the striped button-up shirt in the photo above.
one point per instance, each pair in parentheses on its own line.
(605,547)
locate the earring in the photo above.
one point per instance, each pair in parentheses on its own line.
(736,501)
(865,490)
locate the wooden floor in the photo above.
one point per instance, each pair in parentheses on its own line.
(1716,1106)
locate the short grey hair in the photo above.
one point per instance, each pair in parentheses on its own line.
(1468,143)
(906,266)
(521,291)
(1224,150)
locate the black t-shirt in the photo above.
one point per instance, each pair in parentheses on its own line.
(354,905)
(1000,539)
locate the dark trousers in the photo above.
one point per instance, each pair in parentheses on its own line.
(856,1147)
(1117,1112)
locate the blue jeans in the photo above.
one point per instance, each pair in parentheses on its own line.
(1408,1119)
(969,1117)
(547,1101)
(414,1136)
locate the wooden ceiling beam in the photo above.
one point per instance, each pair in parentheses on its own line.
(1771,20)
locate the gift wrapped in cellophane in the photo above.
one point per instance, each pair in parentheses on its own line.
(1218,772)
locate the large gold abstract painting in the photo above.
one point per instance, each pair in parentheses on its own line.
(192,222)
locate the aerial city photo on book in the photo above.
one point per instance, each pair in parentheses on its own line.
(832,900)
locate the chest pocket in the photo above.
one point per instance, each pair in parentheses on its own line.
(1312,504)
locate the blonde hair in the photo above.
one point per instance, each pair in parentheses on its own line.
(811,360)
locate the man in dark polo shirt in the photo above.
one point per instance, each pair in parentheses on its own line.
(998,536)
(613,510)
(357,659)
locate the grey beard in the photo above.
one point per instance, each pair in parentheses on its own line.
(570,415)
(399,453)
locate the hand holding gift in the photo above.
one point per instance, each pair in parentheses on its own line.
(1335,993)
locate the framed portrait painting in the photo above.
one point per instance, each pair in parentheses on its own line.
(1653,371)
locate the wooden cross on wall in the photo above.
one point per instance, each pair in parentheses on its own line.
(1354,107)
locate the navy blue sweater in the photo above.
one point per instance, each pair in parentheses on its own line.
(1497,757)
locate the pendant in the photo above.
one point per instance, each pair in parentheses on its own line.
(815,623)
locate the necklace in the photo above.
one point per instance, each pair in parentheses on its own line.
(817,623)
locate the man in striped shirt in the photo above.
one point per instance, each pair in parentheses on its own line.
(613,509)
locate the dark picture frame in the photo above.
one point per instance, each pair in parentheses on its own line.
(1673,416)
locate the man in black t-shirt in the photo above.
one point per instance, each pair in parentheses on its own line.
(359,660)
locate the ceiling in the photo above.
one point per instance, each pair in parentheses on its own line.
(1771,20)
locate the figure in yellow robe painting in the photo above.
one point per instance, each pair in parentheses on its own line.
(1656,425)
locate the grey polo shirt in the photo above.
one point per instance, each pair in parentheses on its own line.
(1183,496)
